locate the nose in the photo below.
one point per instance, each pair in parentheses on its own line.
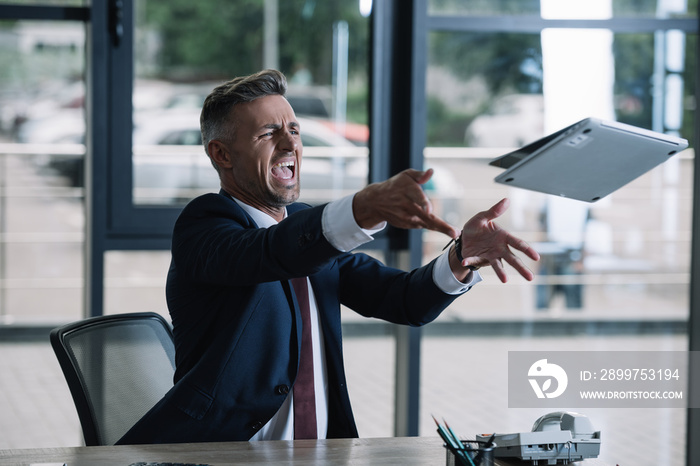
(288,141)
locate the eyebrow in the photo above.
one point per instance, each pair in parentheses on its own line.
(277,126)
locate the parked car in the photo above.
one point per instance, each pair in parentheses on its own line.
(175,175)
(166,174)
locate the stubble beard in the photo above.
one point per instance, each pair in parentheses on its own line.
(278,200)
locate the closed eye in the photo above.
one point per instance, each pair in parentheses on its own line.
(293,129)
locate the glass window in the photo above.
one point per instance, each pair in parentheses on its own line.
(184,49)
(42,123)
(135,281)
(483,7)
(618,8)
(494,105)
(614,274)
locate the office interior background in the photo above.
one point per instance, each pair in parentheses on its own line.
(100,148)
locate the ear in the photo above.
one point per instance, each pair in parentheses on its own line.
(219,153)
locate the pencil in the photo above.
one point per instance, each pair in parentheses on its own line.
(454,445)
(459,443)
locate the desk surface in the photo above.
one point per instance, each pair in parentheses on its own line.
(404,451)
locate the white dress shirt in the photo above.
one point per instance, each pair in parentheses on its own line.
(341,230)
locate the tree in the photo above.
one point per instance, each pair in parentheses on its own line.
(218,40)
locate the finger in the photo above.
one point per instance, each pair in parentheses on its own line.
(427,207)
(474,261)
(497,209)
(497,267)
(435,223)
(523,247)
(420,177)
(425,176)
(423,202)
(520,266)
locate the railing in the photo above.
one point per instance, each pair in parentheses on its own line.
(646,268)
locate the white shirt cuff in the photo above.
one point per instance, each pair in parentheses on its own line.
(446,280)
(341,229)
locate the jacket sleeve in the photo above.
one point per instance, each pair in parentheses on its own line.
(375,290)
(215,242)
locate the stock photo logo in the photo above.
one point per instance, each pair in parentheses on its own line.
(541,375)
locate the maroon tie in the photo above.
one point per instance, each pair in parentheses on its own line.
(304,397)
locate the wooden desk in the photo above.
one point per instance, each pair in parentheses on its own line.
(404,451)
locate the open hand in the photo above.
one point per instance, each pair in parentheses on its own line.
(485,243)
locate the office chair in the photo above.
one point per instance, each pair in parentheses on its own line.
(117,368)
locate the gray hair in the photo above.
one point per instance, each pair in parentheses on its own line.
(216,111)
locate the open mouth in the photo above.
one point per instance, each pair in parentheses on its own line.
(284,170)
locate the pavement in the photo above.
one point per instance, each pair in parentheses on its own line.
(461,381)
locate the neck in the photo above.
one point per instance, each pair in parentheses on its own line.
(277,213)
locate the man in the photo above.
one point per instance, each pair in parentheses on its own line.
(238,257)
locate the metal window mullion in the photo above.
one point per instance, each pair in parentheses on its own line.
(693,414)
(49,13)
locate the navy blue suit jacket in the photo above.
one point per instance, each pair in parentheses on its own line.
(237,324)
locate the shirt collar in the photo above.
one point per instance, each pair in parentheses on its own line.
(259,217)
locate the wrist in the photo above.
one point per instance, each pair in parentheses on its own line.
(362,211)
(457,251)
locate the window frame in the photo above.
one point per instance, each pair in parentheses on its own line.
(114,222)
(535,24)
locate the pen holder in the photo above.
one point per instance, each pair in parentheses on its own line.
(477,450)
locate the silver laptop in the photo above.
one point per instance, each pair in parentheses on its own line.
(587,160)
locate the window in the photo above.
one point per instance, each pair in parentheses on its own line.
(183,50)
(42,126)
(624,286)
(614,275)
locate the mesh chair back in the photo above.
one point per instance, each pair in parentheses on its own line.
(117,368)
